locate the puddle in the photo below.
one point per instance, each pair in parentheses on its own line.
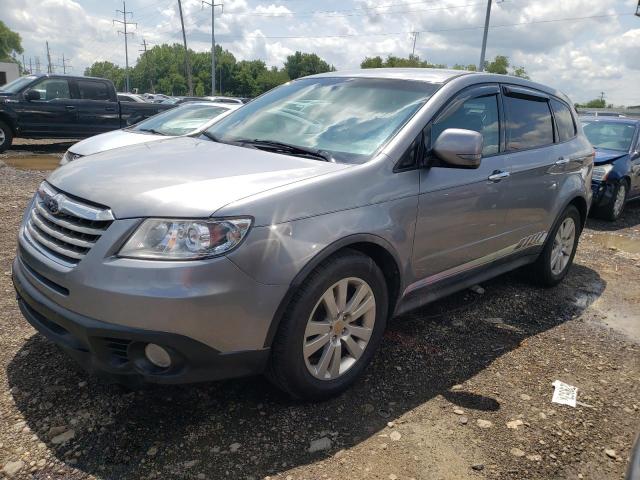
(33,162)
(615,242)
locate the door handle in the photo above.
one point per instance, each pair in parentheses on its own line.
(70,107)
(498,175)
(561,161)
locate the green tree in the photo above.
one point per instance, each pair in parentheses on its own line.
(10,44)
(412,61)
(372,62)
(302,64)
(471,67)
(499,65)
(595,103)
(107,70)
(520,72)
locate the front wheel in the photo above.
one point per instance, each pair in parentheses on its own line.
(332,328)
(6,136)
(559,250)
(613,210)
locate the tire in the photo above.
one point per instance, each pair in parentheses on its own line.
(6,136)
(311,376)
(613,210)
(544,273)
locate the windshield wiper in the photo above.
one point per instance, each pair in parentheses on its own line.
(152,130)
(287,148)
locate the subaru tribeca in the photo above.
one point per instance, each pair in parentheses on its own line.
(283,238)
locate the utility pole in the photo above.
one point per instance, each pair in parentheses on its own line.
(415,37)
(602,96)
(638,9)
(125,23)
(143,51)
(213,6)
(64,64)
(38,65)
(30,67)
(484,37)
(187,64)
(49,66)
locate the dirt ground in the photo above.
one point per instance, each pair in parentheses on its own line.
(461,389)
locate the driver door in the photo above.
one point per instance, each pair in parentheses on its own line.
(461,212)
(53,115)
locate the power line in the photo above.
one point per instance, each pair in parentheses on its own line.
(213,6)
(126,34)
(382,34)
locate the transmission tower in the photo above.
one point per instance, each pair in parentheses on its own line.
(126,34)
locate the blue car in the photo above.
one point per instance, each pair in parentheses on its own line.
(616,174)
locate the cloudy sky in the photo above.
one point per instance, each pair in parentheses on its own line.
(553,39)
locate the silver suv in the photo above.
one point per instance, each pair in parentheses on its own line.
(283,239)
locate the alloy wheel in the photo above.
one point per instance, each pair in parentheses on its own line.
(339,328)
(563,246)
(620,198)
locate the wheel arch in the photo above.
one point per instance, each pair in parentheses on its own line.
(4,117)
(373,246)
(583,209)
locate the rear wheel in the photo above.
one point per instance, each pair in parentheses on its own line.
(332,328)
(6,136)
(559,250)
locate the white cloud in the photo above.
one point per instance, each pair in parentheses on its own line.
(580,57)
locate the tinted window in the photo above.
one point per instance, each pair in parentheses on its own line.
(181,120)
(529,123)
(479,114)
(93,90)
(53,88)
(564,121)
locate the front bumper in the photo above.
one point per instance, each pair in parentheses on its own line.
(116,352)
(603,193)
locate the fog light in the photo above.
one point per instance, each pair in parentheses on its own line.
(157,355)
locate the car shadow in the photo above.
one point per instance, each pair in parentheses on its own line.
(630,218)
(247,429)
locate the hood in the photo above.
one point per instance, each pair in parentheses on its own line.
(114,139)
(181,177)
(607,156)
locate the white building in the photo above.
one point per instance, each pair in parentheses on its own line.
(8,72)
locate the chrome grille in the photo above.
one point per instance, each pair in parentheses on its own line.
(63,228)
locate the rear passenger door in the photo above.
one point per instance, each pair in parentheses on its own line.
(461,212)
(535,163)
(97,107)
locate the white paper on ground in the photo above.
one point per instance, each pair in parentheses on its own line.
(564,394)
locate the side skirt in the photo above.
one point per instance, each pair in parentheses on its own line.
(428,292)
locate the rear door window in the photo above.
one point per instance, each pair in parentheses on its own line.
(90,90)
(528,123)
(564,121)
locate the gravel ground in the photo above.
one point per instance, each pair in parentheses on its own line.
(461,389)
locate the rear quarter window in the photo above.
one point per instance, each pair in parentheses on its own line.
(528,123)
(564,121)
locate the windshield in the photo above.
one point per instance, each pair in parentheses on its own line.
(350,118)
(18,84)
(611,135)
(180,120)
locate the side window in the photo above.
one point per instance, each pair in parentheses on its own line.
(479,114)
(564,121)
(528,123)
(53,88)
(90,90)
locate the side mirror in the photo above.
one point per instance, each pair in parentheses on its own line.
(459,148)
(32,95)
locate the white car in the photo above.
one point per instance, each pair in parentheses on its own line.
(186,120)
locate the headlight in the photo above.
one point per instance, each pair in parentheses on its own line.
(179,239)
(600,172)
(69,157)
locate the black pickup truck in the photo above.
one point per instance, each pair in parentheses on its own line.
(63,106)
